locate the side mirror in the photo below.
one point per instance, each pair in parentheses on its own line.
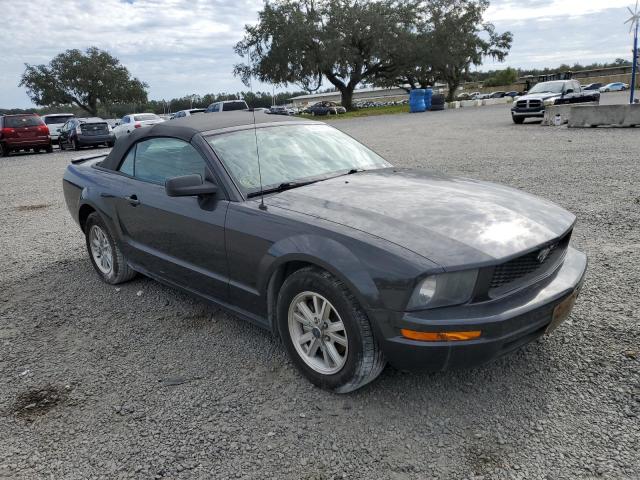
(569,90)
(189,186)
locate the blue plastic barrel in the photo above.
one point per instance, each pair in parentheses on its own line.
(416,100)
(428,93)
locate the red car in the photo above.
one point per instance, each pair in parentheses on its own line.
(22,132)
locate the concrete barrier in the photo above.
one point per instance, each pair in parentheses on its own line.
(454,104)
(605,115)
(470,103)
(564,111)
(495,101)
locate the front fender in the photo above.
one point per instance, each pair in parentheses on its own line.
(326,253)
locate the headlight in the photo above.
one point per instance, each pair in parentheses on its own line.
(443,289)
(550,101)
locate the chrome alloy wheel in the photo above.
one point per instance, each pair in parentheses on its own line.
(317,333)
(101,249)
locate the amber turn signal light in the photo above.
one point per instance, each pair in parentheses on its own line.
(440,336)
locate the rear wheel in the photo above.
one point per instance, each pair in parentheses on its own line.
(326,333)
(49,148)
(518,120)
(106,257)
(4,150)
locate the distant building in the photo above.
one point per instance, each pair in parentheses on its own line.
(359,95)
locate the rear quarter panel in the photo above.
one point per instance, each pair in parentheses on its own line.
(83,184)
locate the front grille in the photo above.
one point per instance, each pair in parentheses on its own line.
(528,268)
(529,103)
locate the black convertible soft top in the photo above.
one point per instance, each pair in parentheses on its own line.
(186,127)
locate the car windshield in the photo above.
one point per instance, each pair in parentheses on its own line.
(551,87)
(22,121)
(57,119)
(145,117)
(291,153)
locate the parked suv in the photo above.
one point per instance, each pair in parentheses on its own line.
(228,106)
(55,121)
(23,132)
(85,132)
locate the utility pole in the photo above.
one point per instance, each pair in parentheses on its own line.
(634,20)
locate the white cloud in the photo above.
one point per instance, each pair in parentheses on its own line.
(177,46)
(518,10)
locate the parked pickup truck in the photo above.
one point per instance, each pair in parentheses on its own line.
(557,92)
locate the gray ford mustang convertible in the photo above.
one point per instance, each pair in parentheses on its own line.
(352,262)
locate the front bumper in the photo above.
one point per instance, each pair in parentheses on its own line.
(85,140)
(527,112)
(506,324)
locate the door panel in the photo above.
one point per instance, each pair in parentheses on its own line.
(174,237)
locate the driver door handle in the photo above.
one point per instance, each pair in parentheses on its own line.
(133,200)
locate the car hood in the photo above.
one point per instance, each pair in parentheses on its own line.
(538,96)
(451,221)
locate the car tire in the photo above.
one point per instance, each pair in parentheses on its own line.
(104,253)
(61,146)
(518,120)
(74,144)
(4,150)
(110,144)
(49,149)
(346,354)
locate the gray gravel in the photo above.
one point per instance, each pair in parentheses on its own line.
(140,381)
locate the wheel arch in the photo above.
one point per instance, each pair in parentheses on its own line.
(289,256)
(83,213)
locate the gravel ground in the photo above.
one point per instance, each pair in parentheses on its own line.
(141,381)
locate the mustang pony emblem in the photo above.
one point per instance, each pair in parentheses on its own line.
(544,253)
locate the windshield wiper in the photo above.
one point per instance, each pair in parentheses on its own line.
(281,188)
(289,185)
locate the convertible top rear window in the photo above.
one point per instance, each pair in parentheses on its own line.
(290,153)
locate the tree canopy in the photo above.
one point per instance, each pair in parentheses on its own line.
(306,41)
(87,80)
(410,44)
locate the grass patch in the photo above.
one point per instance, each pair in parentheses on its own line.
(365,112)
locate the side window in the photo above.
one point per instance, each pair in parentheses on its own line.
(216,107)
(127,166)
(157,159)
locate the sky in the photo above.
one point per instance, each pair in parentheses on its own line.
(182,47)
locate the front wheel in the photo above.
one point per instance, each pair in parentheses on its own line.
(326,332)
(105,255)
